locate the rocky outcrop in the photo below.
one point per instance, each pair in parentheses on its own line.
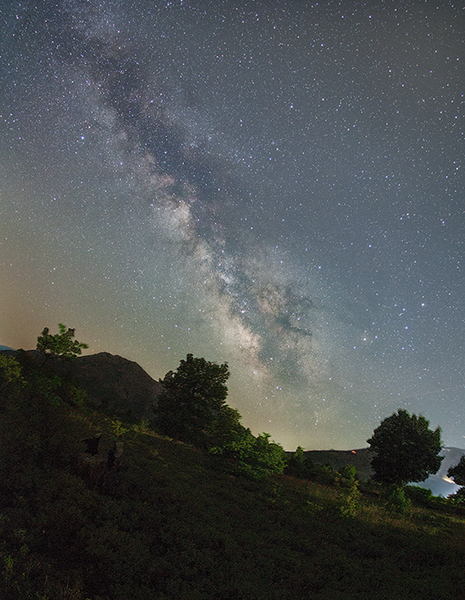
(110,381)
(100,471)
(114,382)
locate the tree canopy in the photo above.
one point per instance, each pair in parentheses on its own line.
(60,344)
(193,397)
(457,473)
(406,450)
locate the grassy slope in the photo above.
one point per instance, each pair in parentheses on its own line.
(180,527)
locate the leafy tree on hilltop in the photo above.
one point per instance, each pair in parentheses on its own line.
(405,449)
(192,399)
(60,344)
(193,408)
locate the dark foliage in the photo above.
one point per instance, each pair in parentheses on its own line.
(193,399)
(254,457)
(60,344)
(193,409)
(405,449)
(457,473)
(299,464)
(165,520)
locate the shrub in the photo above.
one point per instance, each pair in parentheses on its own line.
(396,501)
(348,500)
(255,457)
(421,496)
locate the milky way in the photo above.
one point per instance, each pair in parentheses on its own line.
(275,185)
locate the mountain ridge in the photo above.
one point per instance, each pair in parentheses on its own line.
(110,381)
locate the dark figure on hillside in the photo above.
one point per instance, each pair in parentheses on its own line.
(92,444)
(114,455)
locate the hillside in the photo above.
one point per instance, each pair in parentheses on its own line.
(173,524)
(111,382)
(114,382)
(439,483)
(96,507)
(119,385)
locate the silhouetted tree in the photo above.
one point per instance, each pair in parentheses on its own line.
(60,344)
(193,398)
(297,460)
(457,473)
(226,427)
(405,449)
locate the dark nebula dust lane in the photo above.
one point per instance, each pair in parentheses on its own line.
(274,185)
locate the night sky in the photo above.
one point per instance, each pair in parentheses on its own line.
(273,184)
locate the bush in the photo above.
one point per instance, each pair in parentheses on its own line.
(325,474)
(396,501)
(10,374)
(255,457)
(420,496)
(348,497)
(348,500)
(301,465)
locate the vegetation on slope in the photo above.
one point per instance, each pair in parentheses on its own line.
(147,517)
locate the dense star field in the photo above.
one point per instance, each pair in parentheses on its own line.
(275,185)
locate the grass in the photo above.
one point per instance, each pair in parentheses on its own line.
(179,525)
